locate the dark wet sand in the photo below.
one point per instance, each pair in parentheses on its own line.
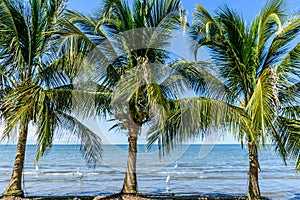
(140,197)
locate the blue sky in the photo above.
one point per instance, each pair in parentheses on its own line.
(249,8)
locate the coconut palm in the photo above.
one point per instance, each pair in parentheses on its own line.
(131,63)
(255,69)
(37,82)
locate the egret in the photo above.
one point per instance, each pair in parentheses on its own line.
(79,173)
(168,182)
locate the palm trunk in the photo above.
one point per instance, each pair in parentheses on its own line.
(130,181)
(253,188)
(15,185)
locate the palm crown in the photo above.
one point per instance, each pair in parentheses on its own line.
(130,44)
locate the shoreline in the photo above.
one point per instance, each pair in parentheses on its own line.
(138,197)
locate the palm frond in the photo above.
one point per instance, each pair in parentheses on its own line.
(263,104)
(290,129)
(192,117)
(45,127)
(85,99)
(19,103)
(288,69)
(290,112)
(203,29)
(90,142)
(13,43)
(269,21)
(204,80)
(119,12)
(284,38)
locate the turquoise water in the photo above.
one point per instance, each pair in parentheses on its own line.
(196,169)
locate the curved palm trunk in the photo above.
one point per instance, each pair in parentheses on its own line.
(253,188)
(15,185)
(130,181)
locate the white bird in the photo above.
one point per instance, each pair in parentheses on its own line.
(168,179)
(79,173)
(168,182)
(176,165)
(36,167)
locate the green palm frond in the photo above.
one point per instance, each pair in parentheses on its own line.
(93,26)
(90,142)
(270,15)
(18,103)
(284,38)
(233,54)
(165,17)
(87,24)
(289,68)
(290,129)
(263,104)
(5,81)
(118,11)
(288,96)
(193,116)
(227,37)
(45,127)
(291,112)
(8,25)
(13,44)
(141,10)
(72,41)
(203,79)
(203,29)
(86,99)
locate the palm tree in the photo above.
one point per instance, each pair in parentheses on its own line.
(254,76)
(131,41)
(37,82)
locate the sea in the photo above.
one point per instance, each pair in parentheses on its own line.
(188,169)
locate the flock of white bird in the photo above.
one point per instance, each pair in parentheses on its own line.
(81,175)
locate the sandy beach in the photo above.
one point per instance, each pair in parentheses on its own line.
(129,197)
